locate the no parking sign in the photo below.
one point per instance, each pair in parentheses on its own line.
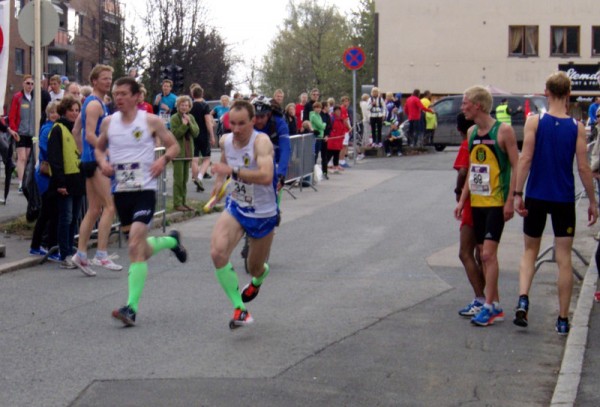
(354,58)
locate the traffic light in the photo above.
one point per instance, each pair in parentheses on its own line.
(166,72)
(177,78)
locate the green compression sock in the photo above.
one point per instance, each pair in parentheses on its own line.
(229,281)
(137,278)
(161,243)
(259,280)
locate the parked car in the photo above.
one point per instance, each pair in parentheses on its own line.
(447,109)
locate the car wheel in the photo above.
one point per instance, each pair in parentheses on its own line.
(439,147)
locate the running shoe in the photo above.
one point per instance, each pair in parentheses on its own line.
(472,309)
(83,265)
(125,314)
(360,157)
(344,165)
(199,186)
(562,326)
(107,263)
(38,252)
(179,250)
(521,313)
(240,318)
(250,292)
(67,264)
(488,316)
(207,176)
(55,258)
(388,155)
(399,154)
(597,296)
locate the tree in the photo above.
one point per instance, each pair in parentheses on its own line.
(131,54)
(308,52)
(178,34)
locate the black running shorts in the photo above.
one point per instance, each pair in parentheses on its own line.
(488,223)
(137,206)
(562,214)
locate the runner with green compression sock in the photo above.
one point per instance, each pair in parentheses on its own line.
(130,133)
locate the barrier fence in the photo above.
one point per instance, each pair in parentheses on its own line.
(302,161)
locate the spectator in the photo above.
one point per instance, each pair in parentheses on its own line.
(143,105)
(306,127)
(393,140)
(22,121)
(221,109)
(592,111)
(74,90)
(330,105)
(48,218)
(504,113)
(278,97)
(318,126)
(185,129)
(302,99)
(376,106)
(56,92)
(314,97)
(389,106)
(290,118)
(206,137)
(430,119)
(346,115)
(164,102)
(66,180)
(413,109)
(335,141)
(366,117)
(86,91)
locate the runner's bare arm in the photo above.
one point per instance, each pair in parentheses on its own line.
(585,173)
(77,133)
(100,149)
(93,112)
(525,158)
(158,129)
(508,142)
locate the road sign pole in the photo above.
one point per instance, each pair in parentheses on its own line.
(354,132)
(37,52)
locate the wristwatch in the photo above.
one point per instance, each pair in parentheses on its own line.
(235,171)
(516,193)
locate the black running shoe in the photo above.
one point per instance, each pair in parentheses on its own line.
(521,313)
(199,186)
(179,250)
(250,292)
(125,314)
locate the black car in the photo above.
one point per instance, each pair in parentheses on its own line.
(448,108)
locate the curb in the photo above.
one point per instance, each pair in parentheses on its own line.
(565,392)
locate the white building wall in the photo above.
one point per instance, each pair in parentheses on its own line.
(448,45)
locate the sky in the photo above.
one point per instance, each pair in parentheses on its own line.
(250,26)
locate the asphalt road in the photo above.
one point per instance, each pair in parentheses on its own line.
(360,309)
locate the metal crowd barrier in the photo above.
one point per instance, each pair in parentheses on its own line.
(302,161)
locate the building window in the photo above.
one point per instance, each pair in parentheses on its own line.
(19,4)
(78,73)
(79,29)
(19,61)
(596,41)
(564,41)
(523,40)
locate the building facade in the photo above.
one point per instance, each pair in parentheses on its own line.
(513,45)
(89,33)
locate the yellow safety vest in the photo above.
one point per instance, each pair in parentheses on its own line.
(71,155)
(502,115)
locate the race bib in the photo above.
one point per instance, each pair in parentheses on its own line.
(479,180)
(243,193)
(166,118)
(128,177)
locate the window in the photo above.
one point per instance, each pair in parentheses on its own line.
(564,41)
(523,40)
(19,4)
(19,61)
(596,41)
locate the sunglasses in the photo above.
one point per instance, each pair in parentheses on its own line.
(28,83)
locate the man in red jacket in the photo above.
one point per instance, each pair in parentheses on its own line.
(413,109)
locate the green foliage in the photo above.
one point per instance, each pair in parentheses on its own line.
(308,50)
(178,34)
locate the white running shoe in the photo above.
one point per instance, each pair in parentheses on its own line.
(107,263)
(83,265)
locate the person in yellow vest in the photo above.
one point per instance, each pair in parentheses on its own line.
(504,113)
(493,159)
(65,177)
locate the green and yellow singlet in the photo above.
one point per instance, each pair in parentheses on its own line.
(489,178)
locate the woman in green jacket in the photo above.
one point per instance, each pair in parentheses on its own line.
(185,129)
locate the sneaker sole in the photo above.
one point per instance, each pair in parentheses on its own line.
(85,270)
(123,319)
(521,318)
(562,333)
(469,314)
(491,321)
(234,324)
(113,267)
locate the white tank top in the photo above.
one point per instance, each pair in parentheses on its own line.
(253,200)
(131,153)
